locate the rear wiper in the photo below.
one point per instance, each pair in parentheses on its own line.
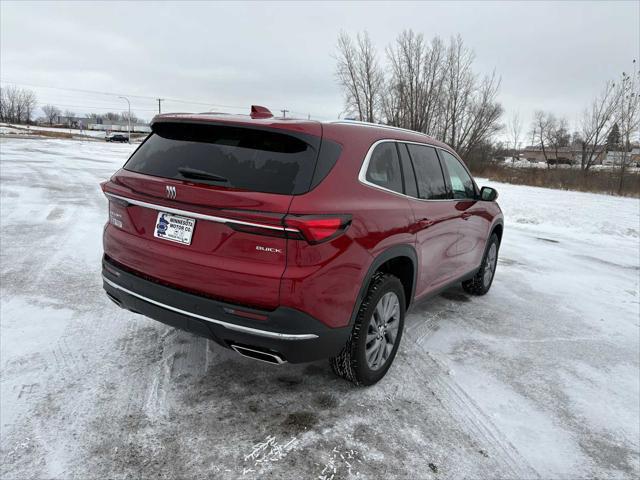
(200,174)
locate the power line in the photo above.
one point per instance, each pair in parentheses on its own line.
(98,107)
(98,92)
(148,97)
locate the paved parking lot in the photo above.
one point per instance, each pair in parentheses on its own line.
(538,379)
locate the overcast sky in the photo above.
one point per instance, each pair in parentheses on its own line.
(552,56)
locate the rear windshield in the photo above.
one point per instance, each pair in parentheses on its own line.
(248,159)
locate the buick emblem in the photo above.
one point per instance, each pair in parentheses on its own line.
(171,191)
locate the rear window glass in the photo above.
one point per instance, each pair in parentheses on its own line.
(243,158)
(428,172)
(410,186)
(384,167)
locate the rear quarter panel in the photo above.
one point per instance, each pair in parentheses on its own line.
(324,280)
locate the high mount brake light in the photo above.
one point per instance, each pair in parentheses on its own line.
(312,228)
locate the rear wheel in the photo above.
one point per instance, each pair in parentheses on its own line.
(374,341)
(482,280)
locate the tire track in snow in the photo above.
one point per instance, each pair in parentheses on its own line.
(462,407)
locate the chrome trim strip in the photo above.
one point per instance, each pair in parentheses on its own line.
(200,216)
(230,326)
(362,175)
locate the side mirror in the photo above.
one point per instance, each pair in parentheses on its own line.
(488,194)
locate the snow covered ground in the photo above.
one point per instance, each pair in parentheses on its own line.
(8,129)
(538,379)
(74,133)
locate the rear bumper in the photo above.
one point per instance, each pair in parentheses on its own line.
(293,335)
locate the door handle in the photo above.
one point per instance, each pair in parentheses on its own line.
(465,215)
(425,223)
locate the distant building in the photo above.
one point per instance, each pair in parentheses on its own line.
(72,122)
(616,158)
(119,126)
(571,155)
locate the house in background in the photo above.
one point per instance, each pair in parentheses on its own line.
(630,158)
(571,155)
(72,122)
(119,126)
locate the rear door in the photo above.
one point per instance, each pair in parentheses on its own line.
(435,218)
(201,207)
(475,220)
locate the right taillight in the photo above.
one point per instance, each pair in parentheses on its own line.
(316,228)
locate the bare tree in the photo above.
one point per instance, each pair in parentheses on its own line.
(481,119)
(432,89)
(597,122)
(407,84)
(460,84)
(125,117)
(514,130)
(627,117)
(69,116)
(28,102)
(543,124)
(359,74)
(51,112)
(559,137)
(112,116)
(16,104)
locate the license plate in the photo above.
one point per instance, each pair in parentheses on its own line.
(174,228)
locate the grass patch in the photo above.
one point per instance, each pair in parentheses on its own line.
(596,181)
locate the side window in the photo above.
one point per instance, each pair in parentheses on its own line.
(384,167)
(461,182)
(431,185)
(410,187)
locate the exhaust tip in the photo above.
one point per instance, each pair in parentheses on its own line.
(259,355)
(114,299)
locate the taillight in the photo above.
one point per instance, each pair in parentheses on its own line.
(312,228)
(316,228)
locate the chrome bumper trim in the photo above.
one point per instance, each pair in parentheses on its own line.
(230,326)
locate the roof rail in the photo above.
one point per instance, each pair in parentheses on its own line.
(376,125)
(215,113)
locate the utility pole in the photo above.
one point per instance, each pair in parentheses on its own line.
(159,109)
(129,118)
(284,113)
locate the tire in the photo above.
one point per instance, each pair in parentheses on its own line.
(373,337)
(482,280)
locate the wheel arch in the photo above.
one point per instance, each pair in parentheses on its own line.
(497,228)
(399,260)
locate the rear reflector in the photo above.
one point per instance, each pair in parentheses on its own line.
(245,314)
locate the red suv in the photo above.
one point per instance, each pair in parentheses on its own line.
(293,240)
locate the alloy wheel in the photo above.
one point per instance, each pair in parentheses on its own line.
(490,267)
(382,331)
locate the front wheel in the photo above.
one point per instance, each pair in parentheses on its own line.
(376,334)
(482,280)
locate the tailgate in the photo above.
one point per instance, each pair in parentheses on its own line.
(173,220)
